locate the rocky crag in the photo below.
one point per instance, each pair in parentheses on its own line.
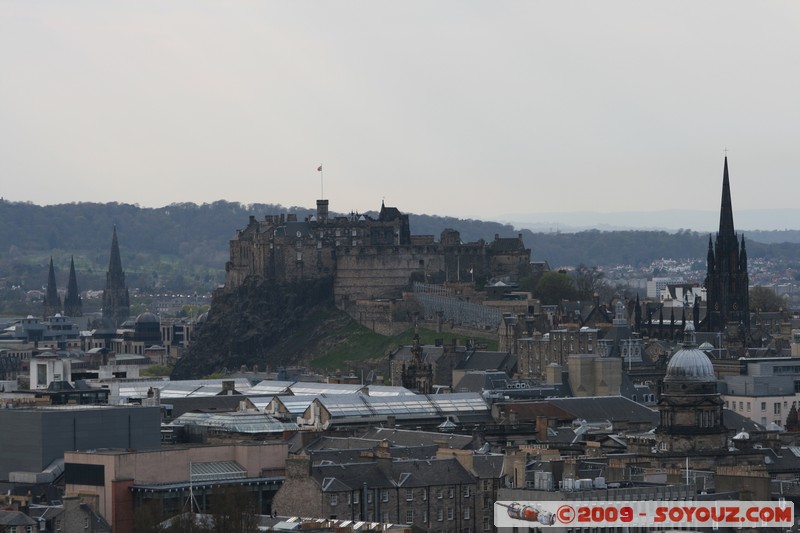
(264,324)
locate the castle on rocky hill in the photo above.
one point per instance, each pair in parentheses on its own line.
(367,258)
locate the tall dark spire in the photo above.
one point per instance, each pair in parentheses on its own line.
(115,262)
(116,300)
(52,303)
(727,281)
(726,209)
(73,304)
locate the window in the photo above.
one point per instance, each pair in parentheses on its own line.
(741,406)
(450,514)
(485,484)
(487,525)
(409,495)
(409,516)
(386,517)
(466,491)
(369,497)
(439,494)
(385,495)
(776,408)
(334,500)
(748,406)
(424,517)
(439,515)
(355,497)
(763,406)
(451,492)
(466,513)
(424,494)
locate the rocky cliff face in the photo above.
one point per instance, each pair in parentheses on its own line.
(259,323)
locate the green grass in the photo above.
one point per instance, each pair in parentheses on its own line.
(362,344)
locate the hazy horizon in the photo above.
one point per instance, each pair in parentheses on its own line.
(464,109)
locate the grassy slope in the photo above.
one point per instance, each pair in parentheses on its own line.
(358,344)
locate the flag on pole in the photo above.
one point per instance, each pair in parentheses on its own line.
(319,168)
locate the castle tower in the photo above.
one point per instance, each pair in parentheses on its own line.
(73,305)
(116,300)
(52,303)
(322,211)
(727,282)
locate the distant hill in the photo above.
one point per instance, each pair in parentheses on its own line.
(184,247)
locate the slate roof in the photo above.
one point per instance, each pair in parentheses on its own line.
(483,360)
(422,473)
(612,408)
(489,466)
(407,437)
(736,422)
(15,518)
(359,455)
(480,380)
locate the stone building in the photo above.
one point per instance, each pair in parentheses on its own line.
(432,494)
(690,407)
(367,257)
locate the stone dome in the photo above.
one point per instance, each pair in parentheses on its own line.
(146,318)
(690,364)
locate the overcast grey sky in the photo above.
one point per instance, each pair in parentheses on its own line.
(456,108)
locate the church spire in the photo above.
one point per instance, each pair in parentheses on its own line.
(115,263)
(116,300)
(726,209)
(52,303)
(73,305)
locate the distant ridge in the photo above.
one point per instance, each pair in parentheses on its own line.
(746,220)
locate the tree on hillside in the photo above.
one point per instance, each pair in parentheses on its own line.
(589,281)
(554,287)
(765,299)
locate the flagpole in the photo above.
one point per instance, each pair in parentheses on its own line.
(321,191)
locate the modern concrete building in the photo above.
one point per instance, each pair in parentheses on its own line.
(33,439)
